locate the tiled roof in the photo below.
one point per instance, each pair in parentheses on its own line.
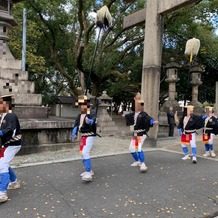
(65,100)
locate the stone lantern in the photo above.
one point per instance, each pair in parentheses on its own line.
(105,100)
(172,78)
(196,71)
(105,125)
(6,22)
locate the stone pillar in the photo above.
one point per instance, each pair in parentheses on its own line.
(172,79)
(105,125)
(152,66)
(196,71)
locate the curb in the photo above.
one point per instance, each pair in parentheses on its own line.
(98,156)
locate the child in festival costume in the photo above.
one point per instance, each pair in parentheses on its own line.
(187,127)
(141,122)
(209,130)
(11,143)
(85,127)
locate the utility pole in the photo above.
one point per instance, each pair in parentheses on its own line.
(24,41)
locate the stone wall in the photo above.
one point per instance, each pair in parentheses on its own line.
(45,135)
(40,140)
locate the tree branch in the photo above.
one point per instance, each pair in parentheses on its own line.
(120,33)
(131,46)
(60,68)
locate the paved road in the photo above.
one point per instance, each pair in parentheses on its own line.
(171,188)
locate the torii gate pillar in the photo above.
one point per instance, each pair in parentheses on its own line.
(150,86)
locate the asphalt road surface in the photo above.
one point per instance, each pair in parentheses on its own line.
(170,188)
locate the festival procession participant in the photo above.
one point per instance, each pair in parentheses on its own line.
(85,129)
(187,127)
(209,130)
(11,143)
(141,122)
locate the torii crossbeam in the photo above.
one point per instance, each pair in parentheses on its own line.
(152,55)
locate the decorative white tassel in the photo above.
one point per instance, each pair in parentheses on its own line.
(192,47)
(103,18)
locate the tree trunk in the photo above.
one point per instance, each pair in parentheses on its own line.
(82,80)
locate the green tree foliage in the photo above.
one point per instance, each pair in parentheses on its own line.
(35,62)
(64,34)
(200,21)
(62,37)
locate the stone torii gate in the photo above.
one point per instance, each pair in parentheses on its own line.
(152,16)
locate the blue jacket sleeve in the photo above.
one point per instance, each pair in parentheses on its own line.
(90,121)
(74,132)
(204,117)
(151,122)
(180,131)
